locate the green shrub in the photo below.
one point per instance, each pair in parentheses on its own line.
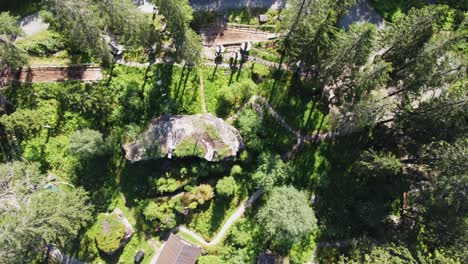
(226,186)
(110,232)
(44,44)
(223,152)
(210,259)
(189,147)
(212,132)
(166,185)
(236,170)
(250,124)
(200,194)
(234,96)
(87,143)
(161,214)
(136,55)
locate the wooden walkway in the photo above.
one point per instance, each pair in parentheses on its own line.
(41,74)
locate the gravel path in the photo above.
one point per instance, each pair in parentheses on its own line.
(234,217)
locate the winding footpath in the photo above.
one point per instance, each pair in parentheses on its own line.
(255,101)
(221,234)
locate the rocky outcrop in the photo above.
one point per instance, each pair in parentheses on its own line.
(201,135)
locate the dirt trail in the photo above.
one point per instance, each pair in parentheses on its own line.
(234,217)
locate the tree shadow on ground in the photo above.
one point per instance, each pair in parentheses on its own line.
(158,91)
(96,176)
(337,190)
(220,207)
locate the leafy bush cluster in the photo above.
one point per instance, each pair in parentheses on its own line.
(42,45)
(198,196)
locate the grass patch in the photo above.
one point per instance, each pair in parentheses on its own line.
(189,146)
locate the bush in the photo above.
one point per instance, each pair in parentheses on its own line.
(200,195)
(236,170)
(166,185)
(44,44)
(87,143)
(110,232)
(226,186)
(210,259)
(249,124)
(161,214)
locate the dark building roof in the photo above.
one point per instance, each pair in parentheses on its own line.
(178,251)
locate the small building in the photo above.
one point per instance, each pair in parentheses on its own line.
(262,19)
(178,251)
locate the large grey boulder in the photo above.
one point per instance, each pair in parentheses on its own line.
(201,135)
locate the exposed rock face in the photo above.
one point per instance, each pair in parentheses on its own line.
(201,135)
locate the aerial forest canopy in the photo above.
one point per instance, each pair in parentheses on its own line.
(309,131)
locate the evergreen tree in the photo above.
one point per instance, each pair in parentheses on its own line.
(272,171)
(286,217)
(87,143)
(10,56)
(178,15)
(34,215)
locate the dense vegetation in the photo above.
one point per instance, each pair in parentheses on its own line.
(375,158)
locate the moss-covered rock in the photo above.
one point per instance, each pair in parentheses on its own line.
(112,232)
(202,135)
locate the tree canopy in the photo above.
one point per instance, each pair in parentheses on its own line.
(35,213)
(286,217)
